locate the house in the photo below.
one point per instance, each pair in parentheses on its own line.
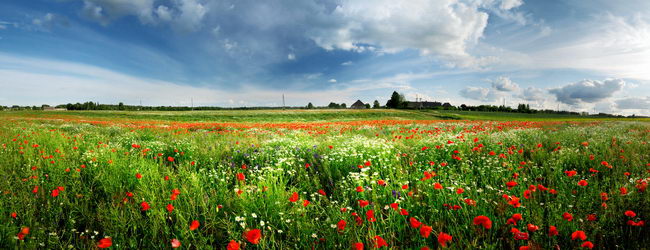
(423,105)
(358,105)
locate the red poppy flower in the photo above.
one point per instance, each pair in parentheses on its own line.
(363,203)
(587,244)
(105,243)
(233,245)
(532,228)
(443,238)
(579,235)
(511,184)
(341,225)
(380,242)
(241,177)
(170,208)
(630,213)
(414,222)
(552,231)
(582,183)
(570,173)
(483,221)
(294,197)
(194,225)
(520,235)
(437,186)
(623,190)
(176,243)
(425,231)
(170,159)
(55,193)
(370,215)
(592,217)
(322,192)
(305,203)
(367,164)
(403,212)
(144,206)
(138,176)
(23,232)
(567,216)
(359,189)
(357,246)
(460,190)
(381,182)
(253,236)
(394,206)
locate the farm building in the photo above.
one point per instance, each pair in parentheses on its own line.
(424,105)
(358,105)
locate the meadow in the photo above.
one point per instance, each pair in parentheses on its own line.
(322,179)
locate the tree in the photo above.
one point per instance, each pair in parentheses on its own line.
(333,105)
(310,106)
(367,105)
(376,105)
(343,106)
(120,106)
(396,100)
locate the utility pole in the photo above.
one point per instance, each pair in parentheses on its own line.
(283,101)
(192,102)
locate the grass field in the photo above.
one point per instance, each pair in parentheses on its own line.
(322,179)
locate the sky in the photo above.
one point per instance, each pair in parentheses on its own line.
(577,55)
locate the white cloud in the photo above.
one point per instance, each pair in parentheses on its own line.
(184,15)
(348,63)
(164,13)
(48,21)
(503,83)
(31,81)
(613,45)
(332,80)
(533,94)
(291,56)
(481,94)
(633,103)
(442,28)
(509,4)
(587,91)
(191,14)
(104,11)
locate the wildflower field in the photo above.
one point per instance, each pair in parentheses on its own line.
(92,180)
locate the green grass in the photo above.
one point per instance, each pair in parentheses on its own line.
(96,164)
(301,115)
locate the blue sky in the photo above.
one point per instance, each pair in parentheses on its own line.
(583,55)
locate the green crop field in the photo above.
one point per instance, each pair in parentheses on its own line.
(322,179)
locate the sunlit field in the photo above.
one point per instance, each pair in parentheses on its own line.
(321,180)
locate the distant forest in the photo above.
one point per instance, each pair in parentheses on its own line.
(397,101)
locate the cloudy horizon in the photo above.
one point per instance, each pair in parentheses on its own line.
(583,56)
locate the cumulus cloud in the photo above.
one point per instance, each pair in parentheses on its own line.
(481,94)
(587,91)
(633,103)
(532,94)
(442,28)
(509,4)
(184,15)
(191,13)
(503,83)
